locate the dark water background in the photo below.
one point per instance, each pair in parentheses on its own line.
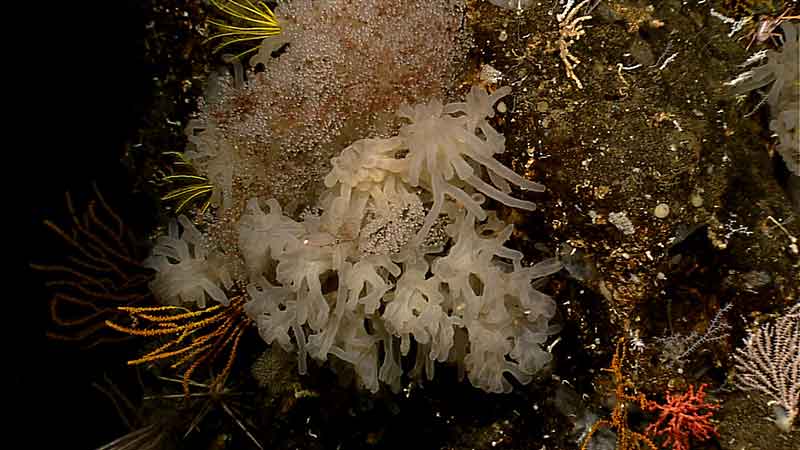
(89,70)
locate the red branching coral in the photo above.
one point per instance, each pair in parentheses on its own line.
(681,418)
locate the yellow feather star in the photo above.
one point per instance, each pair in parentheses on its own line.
(258,22)
(194,337)
(196,187)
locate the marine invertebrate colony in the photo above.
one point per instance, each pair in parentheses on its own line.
(782,71)
(344,68)
(401,249)
(683,417)
(769,363)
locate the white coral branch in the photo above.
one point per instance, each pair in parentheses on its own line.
(770,363)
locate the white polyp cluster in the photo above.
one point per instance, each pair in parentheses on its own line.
(403,254)
(782,72)
(187,271)
(361,281)
(347,67)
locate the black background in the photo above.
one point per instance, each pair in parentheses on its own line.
(79,89)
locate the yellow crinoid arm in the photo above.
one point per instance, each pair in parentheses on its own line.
(191,337)
(191,188)
(254,22)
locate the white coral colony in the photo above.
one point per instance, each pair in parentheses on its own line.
(187,271)
(782,72)
(441,142)
(405,252)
